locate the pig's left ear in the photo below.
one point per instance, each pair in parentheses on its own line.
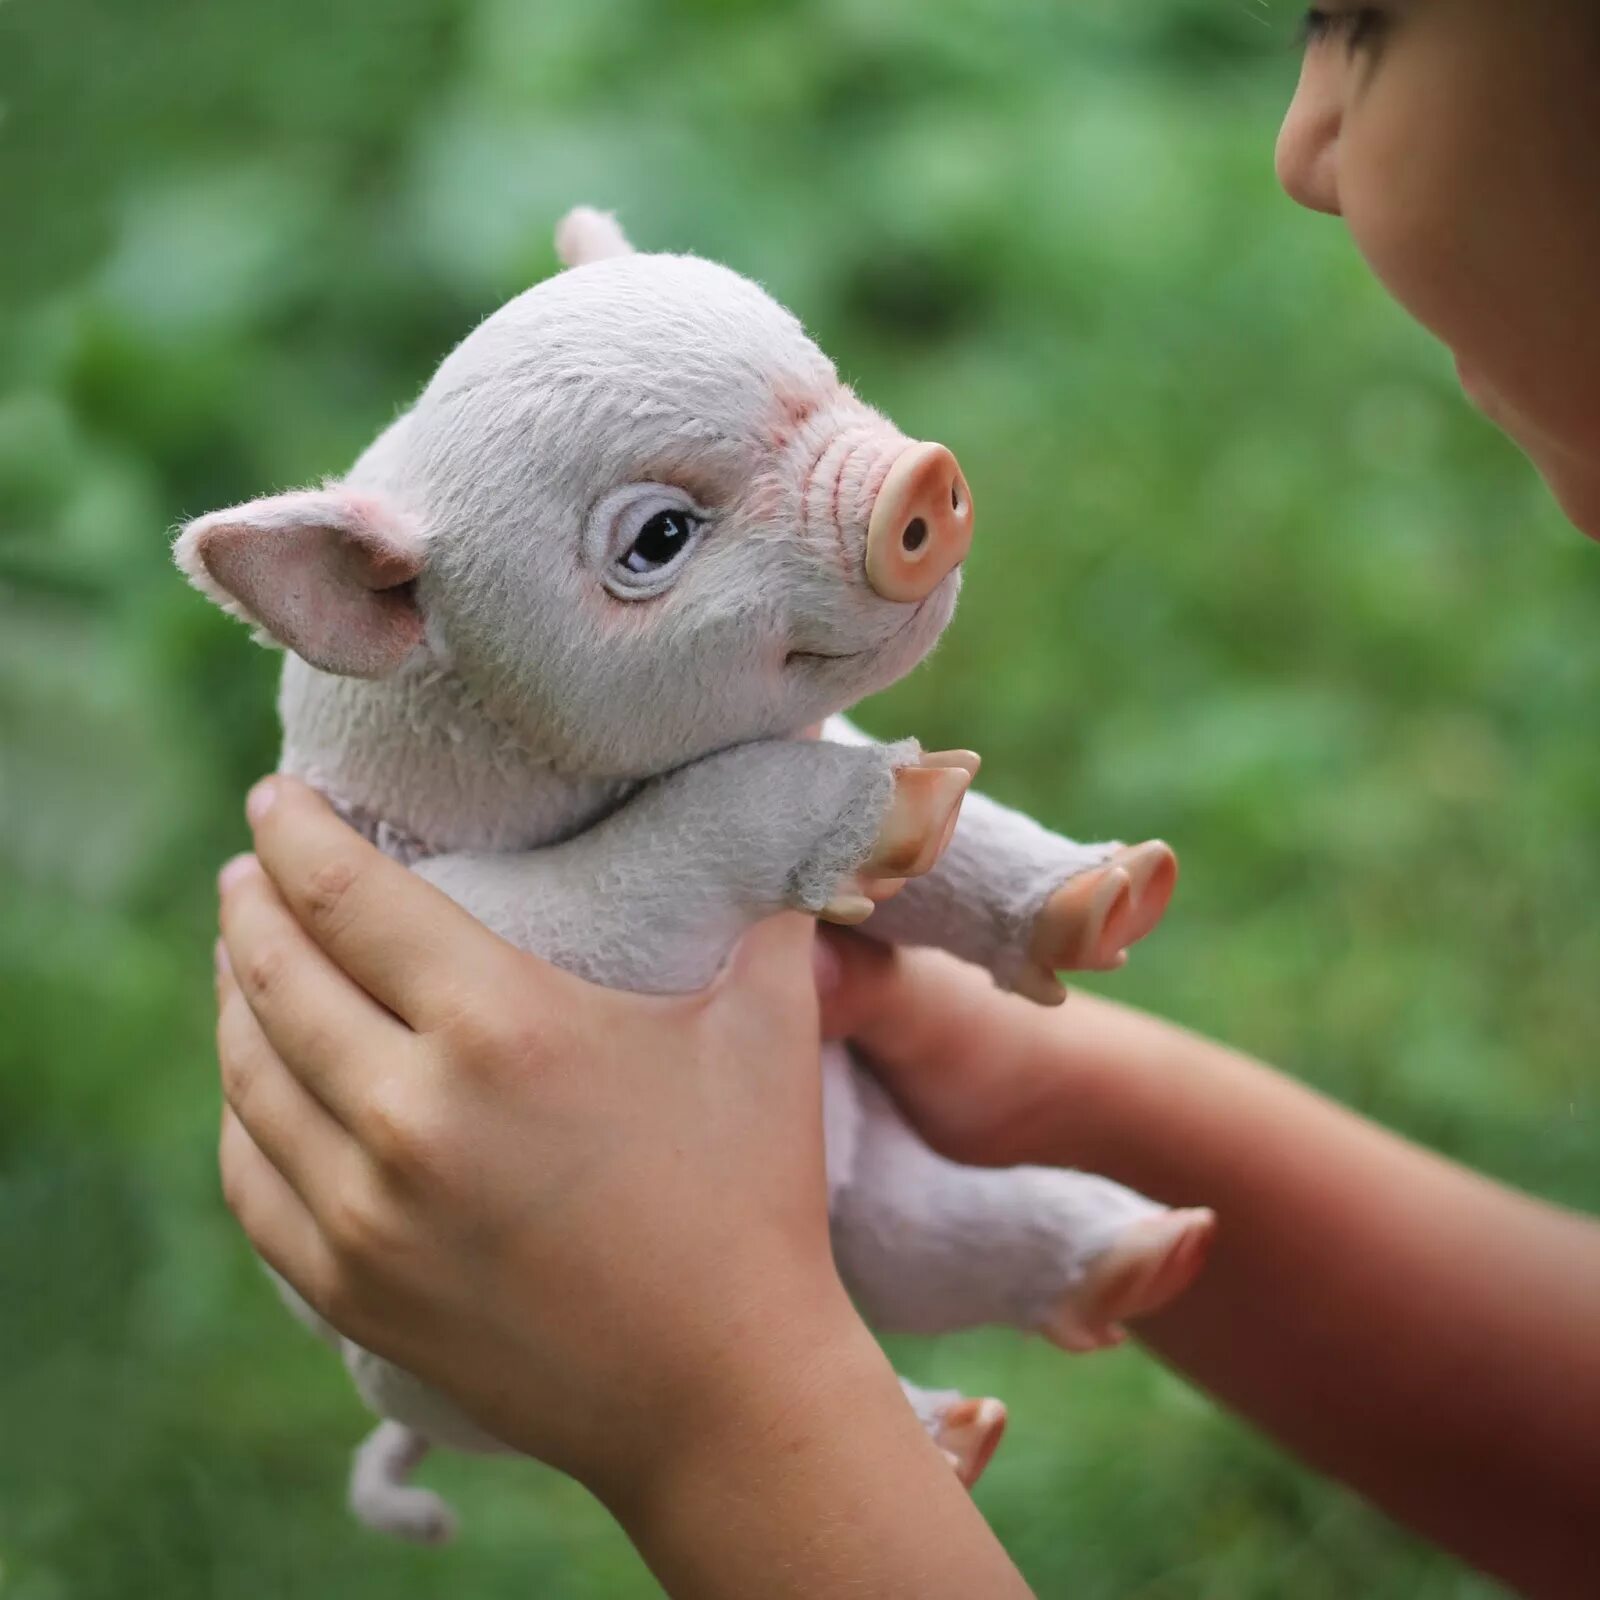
(327,573)
(586,235)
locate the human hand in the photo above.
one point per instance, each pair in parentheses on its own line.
(597,1220)
(987,1078)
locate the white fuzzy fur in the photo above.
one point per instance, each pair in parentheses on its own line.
(617,786)
(585,235)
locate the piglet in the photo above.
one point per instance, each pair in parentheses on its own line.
(553,642)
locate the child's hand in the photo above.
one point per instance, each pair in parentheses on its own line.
(596,1220)
(982,1075)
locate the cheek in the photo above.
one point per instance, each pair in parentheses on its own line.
(1487,240)
(1411,200)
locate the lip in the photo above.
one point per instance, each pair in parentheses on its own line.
(872,649)
(820,655)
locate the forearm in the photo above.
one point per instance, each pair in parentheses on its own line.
(826,1485)
(1424,1334)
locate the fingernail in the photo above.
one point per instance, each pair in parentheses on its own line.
(219,954)
(259,801)
(232,871)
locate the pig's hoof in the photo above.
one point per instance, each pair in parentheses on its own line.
(914,833)
(969,1433)
(922,814)
(1089,922)
(857,897)
(849,906)
(1154,1261)
(1071,927)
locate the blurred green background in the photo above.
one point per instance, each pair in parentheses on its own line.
(1250,577)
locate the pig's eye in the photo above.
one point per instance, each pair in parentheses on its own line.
(640,538)
(661,541)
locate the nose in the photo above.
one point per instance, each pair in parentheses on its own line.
(1308,144)
(921,524)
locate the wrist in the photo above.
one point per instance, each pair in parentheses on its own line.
(810,1476)
(756,1396)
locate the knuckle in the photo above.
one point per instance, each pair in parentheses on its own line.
(328,893)
(470,1035)
(490,1034)
(396,1128)
(263,973)
(316,1044)
(240,1193)
(234,1070)
(337,1297)
(358,1227)
(234,1193)
(238,1062)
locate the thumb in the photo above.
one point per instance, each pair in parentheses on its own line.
(771,970)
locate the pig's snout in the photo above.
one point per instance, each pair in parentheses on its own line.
(921,524)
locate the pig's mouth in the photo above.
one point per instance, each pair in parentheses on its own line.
(795,657)
(800,657)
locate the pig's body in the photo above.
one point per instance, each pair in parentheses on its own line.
(510,673)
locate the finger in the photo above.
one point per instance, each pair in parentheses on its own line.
(921,1014)
(849,969)
(324,1028)
(285,1122)
(403,941)
(274,1218)
(770,973)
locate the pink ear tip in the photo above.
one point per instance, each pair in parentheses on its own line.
(323,572)
(586,234)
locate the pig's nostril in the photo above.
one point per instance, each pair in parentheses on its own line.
(920,526)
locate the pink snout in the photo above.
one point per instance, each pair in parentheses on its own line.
(921,524)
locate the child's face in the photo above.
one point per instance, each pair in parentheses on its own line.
(1460,142)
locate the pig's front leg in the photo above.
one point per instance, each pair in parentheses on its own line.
(655,895)
(1025,903)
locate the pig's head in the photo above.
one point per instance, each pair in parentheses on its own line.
(635,511)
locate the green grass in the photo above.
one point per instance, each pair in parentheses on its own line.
(1249,576)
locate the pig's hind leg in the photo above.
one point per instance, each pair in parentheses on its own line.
(967,1431)
(929,1246)
(381,1495)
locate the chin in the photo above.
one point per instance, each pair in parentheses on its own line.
(839,680)
(1572,477)
(1581,503)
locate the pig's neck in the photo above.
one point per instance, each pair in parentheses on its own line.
(419,766)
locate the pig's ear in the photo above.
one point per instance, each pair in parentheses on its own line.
(325,572)
(585,235)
